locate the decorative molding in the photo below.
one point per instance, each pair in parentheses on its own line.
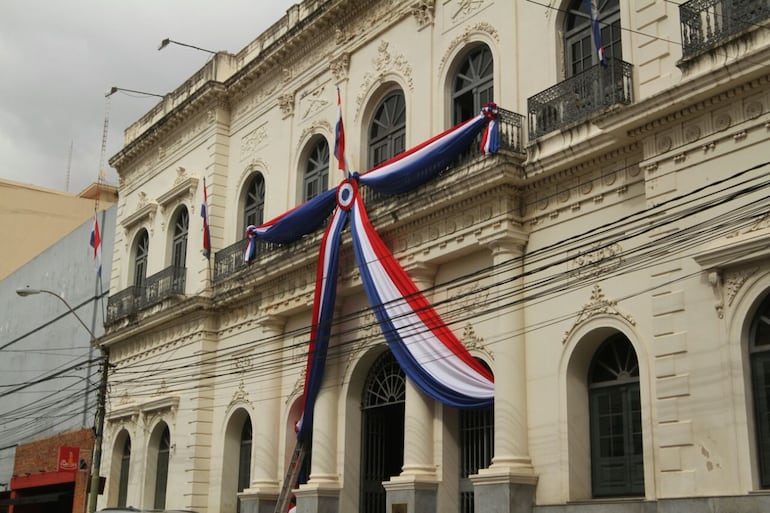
(598,261)
(466,8)
(465,38)
(251,141)
(313,102)
(145,211)
(170,403)
(240,396)
(424,12)
(384,62)
(472,341)
(598,305)
(315,127)
(340,67)
(184,186)
(124,412)
(286,104)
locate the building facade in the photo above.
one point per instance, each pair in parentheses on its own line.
(49,368)
(609,264)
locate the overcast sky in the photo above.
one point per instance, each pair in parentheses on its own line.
(58,58)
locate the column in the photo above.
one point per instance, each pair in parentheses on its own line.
(509,483)
(417,486)
(321,493)
(262,495)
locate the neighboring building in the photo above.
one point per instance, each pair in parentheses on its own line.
(49,371)
(34,218)
(610,264)
(52,474)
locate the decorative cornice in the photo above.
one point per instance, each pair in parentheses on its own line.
(144,211)
(185,186)
(160,404)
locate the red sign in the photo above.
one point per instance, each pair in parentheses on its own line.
(69,458)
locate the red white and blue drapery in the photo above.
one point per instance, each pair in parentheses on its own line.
(426,349)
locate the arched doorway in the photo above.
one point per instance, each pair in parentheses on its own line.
(382,431)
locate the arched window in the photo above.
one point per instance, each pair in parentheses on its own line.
(477,447)
(617,463)
(161,469)
(316,170)
(387,133)
(473,84)
(140,259)
(382,428)
(244,458)
(759,349)
(254,206)
(179,244)
(579,48)
(125,465)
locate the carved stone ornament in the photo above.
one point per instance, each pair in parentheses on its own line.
(286,104)
(466,7)
(424,12)
(472,341)
(597,261)
(340,67)
(384,62)
(598,305)
(464,38)
(240,396)
(313,101)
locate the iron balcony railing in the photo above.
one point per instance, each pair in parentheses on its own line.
(707,24)
(122,304)
(229,260)
(168,282)
(580,96)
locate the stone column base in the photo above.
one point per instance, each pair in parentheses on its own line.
(503,492)
(258,501)
(411,494)
(318,498)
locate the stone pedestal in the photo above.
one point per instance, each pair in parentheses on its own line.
(411,494)
(318,498)
(258,501)
(503,492)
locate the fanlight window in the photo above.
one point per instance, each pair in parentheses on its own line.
(387,133)
(317,170)
(617,463)
(473,84)
(579,47)
(254,207)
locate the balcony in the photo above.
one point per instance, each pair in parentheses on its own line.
(168,282)
(707,24)
(580,96)
(229,260)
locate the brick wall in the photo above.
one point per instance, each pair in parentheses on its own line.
(37,463)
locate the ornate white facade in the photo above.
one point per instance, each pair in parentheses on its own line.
(621,229)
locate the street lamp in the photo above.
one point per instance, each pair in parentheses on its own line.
(114,90)
(100,403)
(168,41)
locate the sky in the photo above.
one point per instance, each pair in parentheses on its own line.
(58,59)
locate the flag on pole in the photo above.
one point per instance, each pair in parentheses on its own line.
(96,245)
(593,8)
(339,138)
(205,215)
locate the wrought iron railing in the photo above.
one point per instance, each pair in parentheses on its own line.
(229,260)
(580,96)
(122,304)
(707,24)
(166,283)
